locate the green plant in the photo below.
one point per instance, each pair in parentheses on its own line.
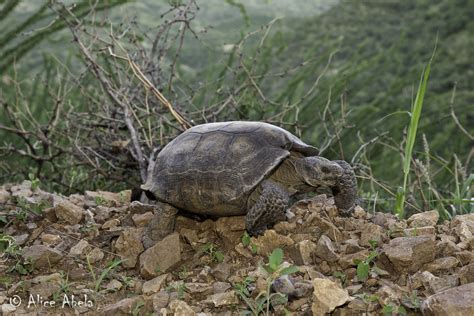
(364,266)
(247,242)
(100,200)
(136,309)
(341,276)
(412,301)
(415,115)
(273,270)
(35,182)
(212,251)
(178,287)
(9,250)
(389,309)
(104,274)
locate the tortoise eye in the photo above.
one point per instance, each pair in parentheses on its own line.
(325,169)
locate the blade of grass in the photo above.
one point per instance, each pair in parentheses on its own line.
(412,129)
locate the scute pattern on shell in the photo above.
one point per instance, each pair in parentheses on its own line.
(212,168)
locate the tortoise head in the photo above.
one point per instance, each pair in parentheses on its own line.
(317,171)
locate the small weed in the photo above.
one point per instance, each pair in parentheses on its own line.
(137,308)
(274,269)
(99,200)
(364,266)
(341,276)
(182,273)
(35,182)
(212,251)
(10,250)
(157,270)
(415,115)
(412,301)
(246,241)
(178,287)
(390,309)
(104,274)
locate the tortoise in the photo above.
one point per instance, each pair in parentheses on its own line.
(240,168)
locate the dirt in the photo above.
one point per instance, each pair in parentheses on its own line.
(83,254)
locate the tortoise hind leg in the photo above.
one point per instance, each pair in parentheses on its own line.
(161,225)
(269,208)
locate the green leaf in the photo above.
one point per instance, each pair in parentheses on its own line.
(219,256)
(373,243)
(362,270)
(388,309)
(245,239)
(276,258)
(289,270)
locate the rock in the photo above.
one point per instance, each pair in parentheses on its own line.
(181,308)
(382,219)
(327,295)
(128,246)
(68,212)
(230,229)
(21,239)
(463,225)
(420,231)
(269,241)
(108,198)
(4,195)
(371,232)
(8,309)
(198,288)
(303,289)
(455,301)
(142,220)
(95,255)
(284,228)
(154,285)
(222,271)
(410,253)
(325,249)
(22,190)
(325,226)
(50,239)
(80,249)
(423,219)
(302,253)
(347,261)
(220,287)
(466,274)
(283,285)
(161,257)
(113,286)
(387,295)
(224,299)
(353,289)
(160,300)
(351,246)
(111,223)
(123,307)
(441,265)
(42,256)
(465,257)
(45,285)
(433,283)
(446,247)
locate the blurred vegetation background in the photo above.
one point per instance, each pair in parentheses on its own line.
(81,84)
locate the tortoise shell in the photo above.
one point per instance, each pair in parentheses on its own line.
(213,168)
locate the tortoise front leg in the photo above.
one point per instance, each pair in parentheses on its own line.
(268,209)
(161,225)
(345,190)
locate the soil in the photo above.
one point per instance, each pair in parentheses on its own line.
(83,254)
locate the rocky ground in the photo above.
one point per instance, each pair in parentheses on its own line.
(83,254)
